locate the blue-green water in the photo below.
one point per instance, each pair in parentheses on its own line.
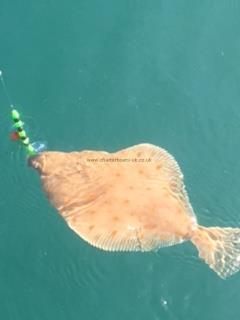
(107,75)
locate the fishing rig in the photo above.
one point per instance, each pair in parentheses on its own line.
(18,132)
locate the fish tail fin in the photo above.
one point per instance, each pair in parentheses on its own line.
(219,248)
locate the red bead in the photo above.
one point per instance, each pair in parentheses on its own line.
(14,136)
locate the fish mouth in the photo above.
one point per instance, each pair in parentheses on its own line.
(35,162)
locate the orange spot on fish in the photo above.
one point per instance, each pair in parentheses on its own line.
(113,234)
(150,226)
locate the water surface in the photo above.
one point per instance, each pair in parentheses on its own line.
(107,75)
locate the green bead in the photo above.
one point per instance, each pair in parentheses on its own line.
(26,141)
(31,151)
(19,124)
(22,134)
(15,114)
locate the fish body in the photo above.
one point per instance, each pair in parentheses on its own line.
(130,200)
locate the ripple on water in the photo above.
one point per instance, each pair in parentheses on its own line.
(17,179)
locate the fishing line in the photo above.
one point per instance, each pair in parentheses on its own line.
(18,132)
(6,90)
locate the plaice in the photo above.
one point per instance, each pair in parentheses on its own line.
(132,200)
